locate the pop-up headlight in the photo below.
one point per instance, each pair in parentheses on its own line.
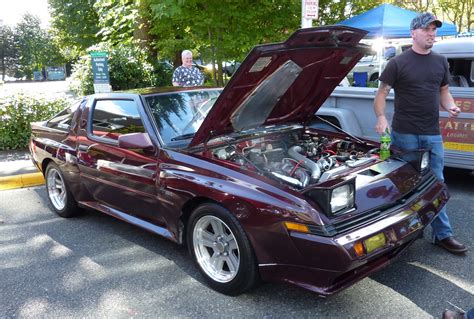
(425,161)
(335,199)
(342,197)
(419,159)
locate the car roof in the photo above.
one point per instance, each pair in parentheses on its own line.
(167,89)
(149,91)
(455,47)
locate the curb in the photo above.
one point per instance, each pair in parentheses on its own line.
(20,181)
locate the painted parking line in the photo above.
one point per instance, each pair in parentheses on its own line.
(19,181)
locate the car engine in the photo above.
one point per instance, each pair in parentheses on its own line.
(298,160)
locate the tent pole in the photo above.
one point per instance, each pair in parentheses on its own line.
(380,57)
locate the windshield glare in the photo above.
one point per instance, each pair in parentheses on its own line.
(179,115)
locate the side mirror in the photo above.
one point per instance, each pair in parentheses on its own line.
(135,141)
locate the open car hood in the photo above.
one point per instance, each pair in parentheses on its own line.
(284,82)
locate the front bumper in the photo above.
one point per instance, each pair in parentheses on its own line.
(328,265)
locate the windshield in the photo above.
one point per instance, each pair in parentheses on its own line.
(179,115)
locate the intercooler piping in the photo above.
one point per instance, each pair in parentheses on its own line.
(295,153)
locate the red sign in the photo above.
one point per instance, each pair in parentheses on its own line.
(457,130)
(466,105)
(458,133)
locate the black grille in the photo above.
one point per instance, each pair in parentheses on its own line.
(372,215)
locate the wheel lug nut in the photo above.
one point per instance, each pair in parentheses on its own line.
(225,254)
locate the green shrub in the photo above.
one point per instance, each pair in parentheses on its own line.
(81,82)
(16,114)
(128,69)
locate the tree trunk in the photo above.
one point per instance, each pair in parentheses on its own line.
(213,56)
(142,33)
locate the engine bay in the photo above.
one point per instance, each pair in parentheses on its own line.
(299,159)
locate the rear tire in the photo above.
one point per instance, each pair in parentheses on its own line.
(221,250)
(374,77)
(59,195)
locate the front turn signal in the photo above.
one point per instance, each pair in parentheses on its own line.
(297,227)
(359,249)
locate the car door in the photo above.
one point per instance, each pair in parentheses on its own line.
(120,180)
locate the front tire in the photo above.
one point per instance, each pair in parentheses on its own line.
(221,250)
(59,195)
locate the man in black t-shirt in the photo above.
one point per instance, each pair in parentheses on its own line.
(420,80)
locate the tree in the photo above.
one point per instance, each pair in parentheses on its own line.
(459,12)
(30,40)
(36,48)
(220,30)
(8,52)
(75,24)
(417,5)
(331,12)
(125,22)
(117,20)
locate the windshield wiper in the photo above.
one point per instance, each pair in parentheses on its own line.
(183,137)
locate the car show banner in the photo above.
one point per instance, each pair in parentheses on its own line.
(100,71)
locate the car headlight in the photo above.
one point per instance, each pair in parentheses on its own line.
(342,197)
(419,159)
(336,199)
(425,161)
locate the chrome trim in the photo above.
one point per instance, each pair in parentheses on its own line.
(376,227)
(71,159)
(127,169)
(266,265)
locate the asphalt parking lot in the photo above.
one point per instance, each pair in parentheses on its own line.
(97,266)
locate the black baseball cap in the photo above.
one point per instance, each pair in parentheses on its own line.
(422,21)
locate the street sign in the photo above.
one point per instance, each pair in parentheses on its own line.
(310,9)
(100,71)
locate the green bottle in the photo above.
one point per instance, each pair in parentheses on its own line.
(385,145)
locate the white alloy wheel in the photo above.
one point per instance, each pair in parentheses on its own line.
(56,189)
(216,249)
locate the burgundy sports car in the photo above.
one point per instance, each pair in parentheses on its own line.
(243,175)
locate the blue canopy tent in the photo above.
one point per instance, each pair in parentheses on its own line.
(390,22)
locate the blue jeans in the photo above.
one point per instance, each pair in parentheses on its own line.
(470,314)
(440,225)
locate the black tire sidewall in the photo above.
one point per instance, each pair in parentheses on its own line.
(246,276)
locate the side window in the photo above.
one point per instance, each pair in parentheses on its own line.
(406,47)
(112,118)
(62,120)
(472,71)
